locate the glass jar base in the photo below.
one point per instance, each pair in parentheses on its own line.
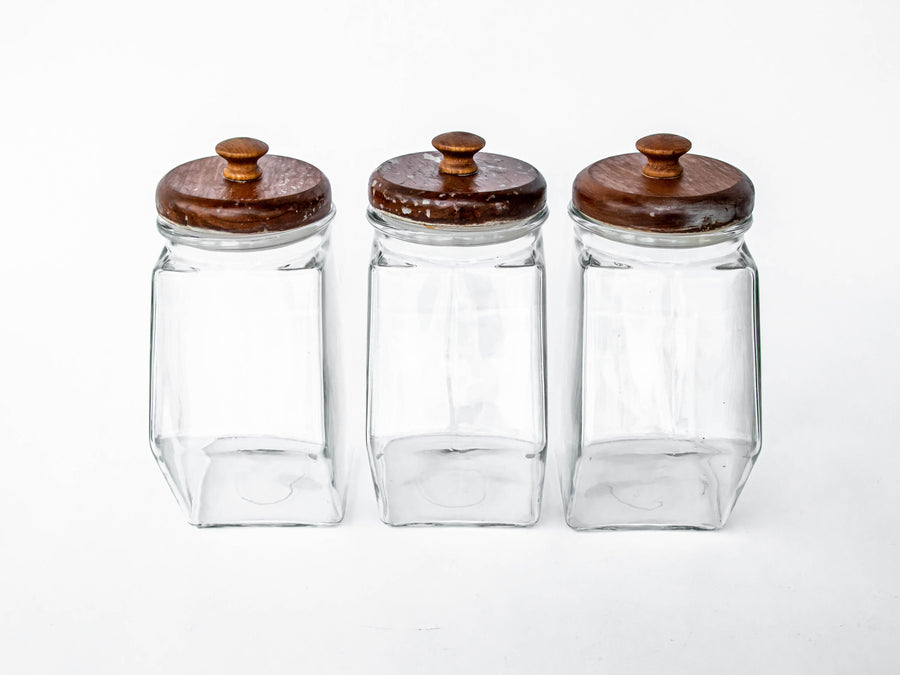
(456,479)
(659,483)
(250,480)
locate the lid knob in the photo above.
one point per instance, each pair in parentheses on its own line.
(458,149)
(662,152)
(242,155)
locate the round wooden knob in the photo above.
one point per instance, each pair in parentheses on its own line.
(662,152)
(458,149)
(242,155)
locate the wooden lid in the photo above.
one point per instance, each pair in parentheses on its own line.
(244,190)
(458,185)
(663,189)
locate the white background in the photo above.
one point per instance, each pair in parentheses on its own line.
(98,571)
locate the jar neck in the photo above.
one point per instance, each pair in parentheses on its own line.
(524,248)
(454,235)
(447,245)
(266,251)
(622,242)
(212,240)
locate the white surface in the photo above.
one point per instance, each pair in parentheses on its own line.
(99,573)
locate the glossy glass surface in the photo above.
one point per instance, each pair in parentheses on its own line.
(245,401)
(664,420)
(456,383)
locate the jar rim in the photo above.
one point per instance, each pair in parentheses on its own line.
(627,235)
(455,235)
(215,240)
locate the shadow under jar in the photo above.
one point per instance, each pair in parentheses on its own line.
(245,406)
(664,422)
(456,377)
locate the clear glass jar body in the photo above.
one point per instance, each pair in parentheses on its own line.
(456,415)
(245,398)
(664,423)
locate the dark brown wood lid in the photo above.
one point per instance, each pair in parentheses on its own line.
(458,185)
(244,190)
(663,189)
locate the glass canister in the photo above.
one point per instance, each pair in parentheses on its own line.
(456,359)
(665,380)
(245,402)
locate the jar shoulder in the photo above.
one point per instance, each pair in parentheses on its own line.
(674,261)
(516,254)
(257,262)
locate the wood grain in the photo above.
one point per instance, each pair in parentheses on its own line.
(242,155)
(702,194)
(458,149)
(662,152)
(288,193)
(414,187)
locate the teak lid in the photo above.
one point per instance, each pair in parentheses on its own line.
(244,190)
(458,185)
(663,189)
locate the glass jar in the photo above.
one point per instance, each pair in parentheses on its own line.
(245,407)
(456,414)
(665,421)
